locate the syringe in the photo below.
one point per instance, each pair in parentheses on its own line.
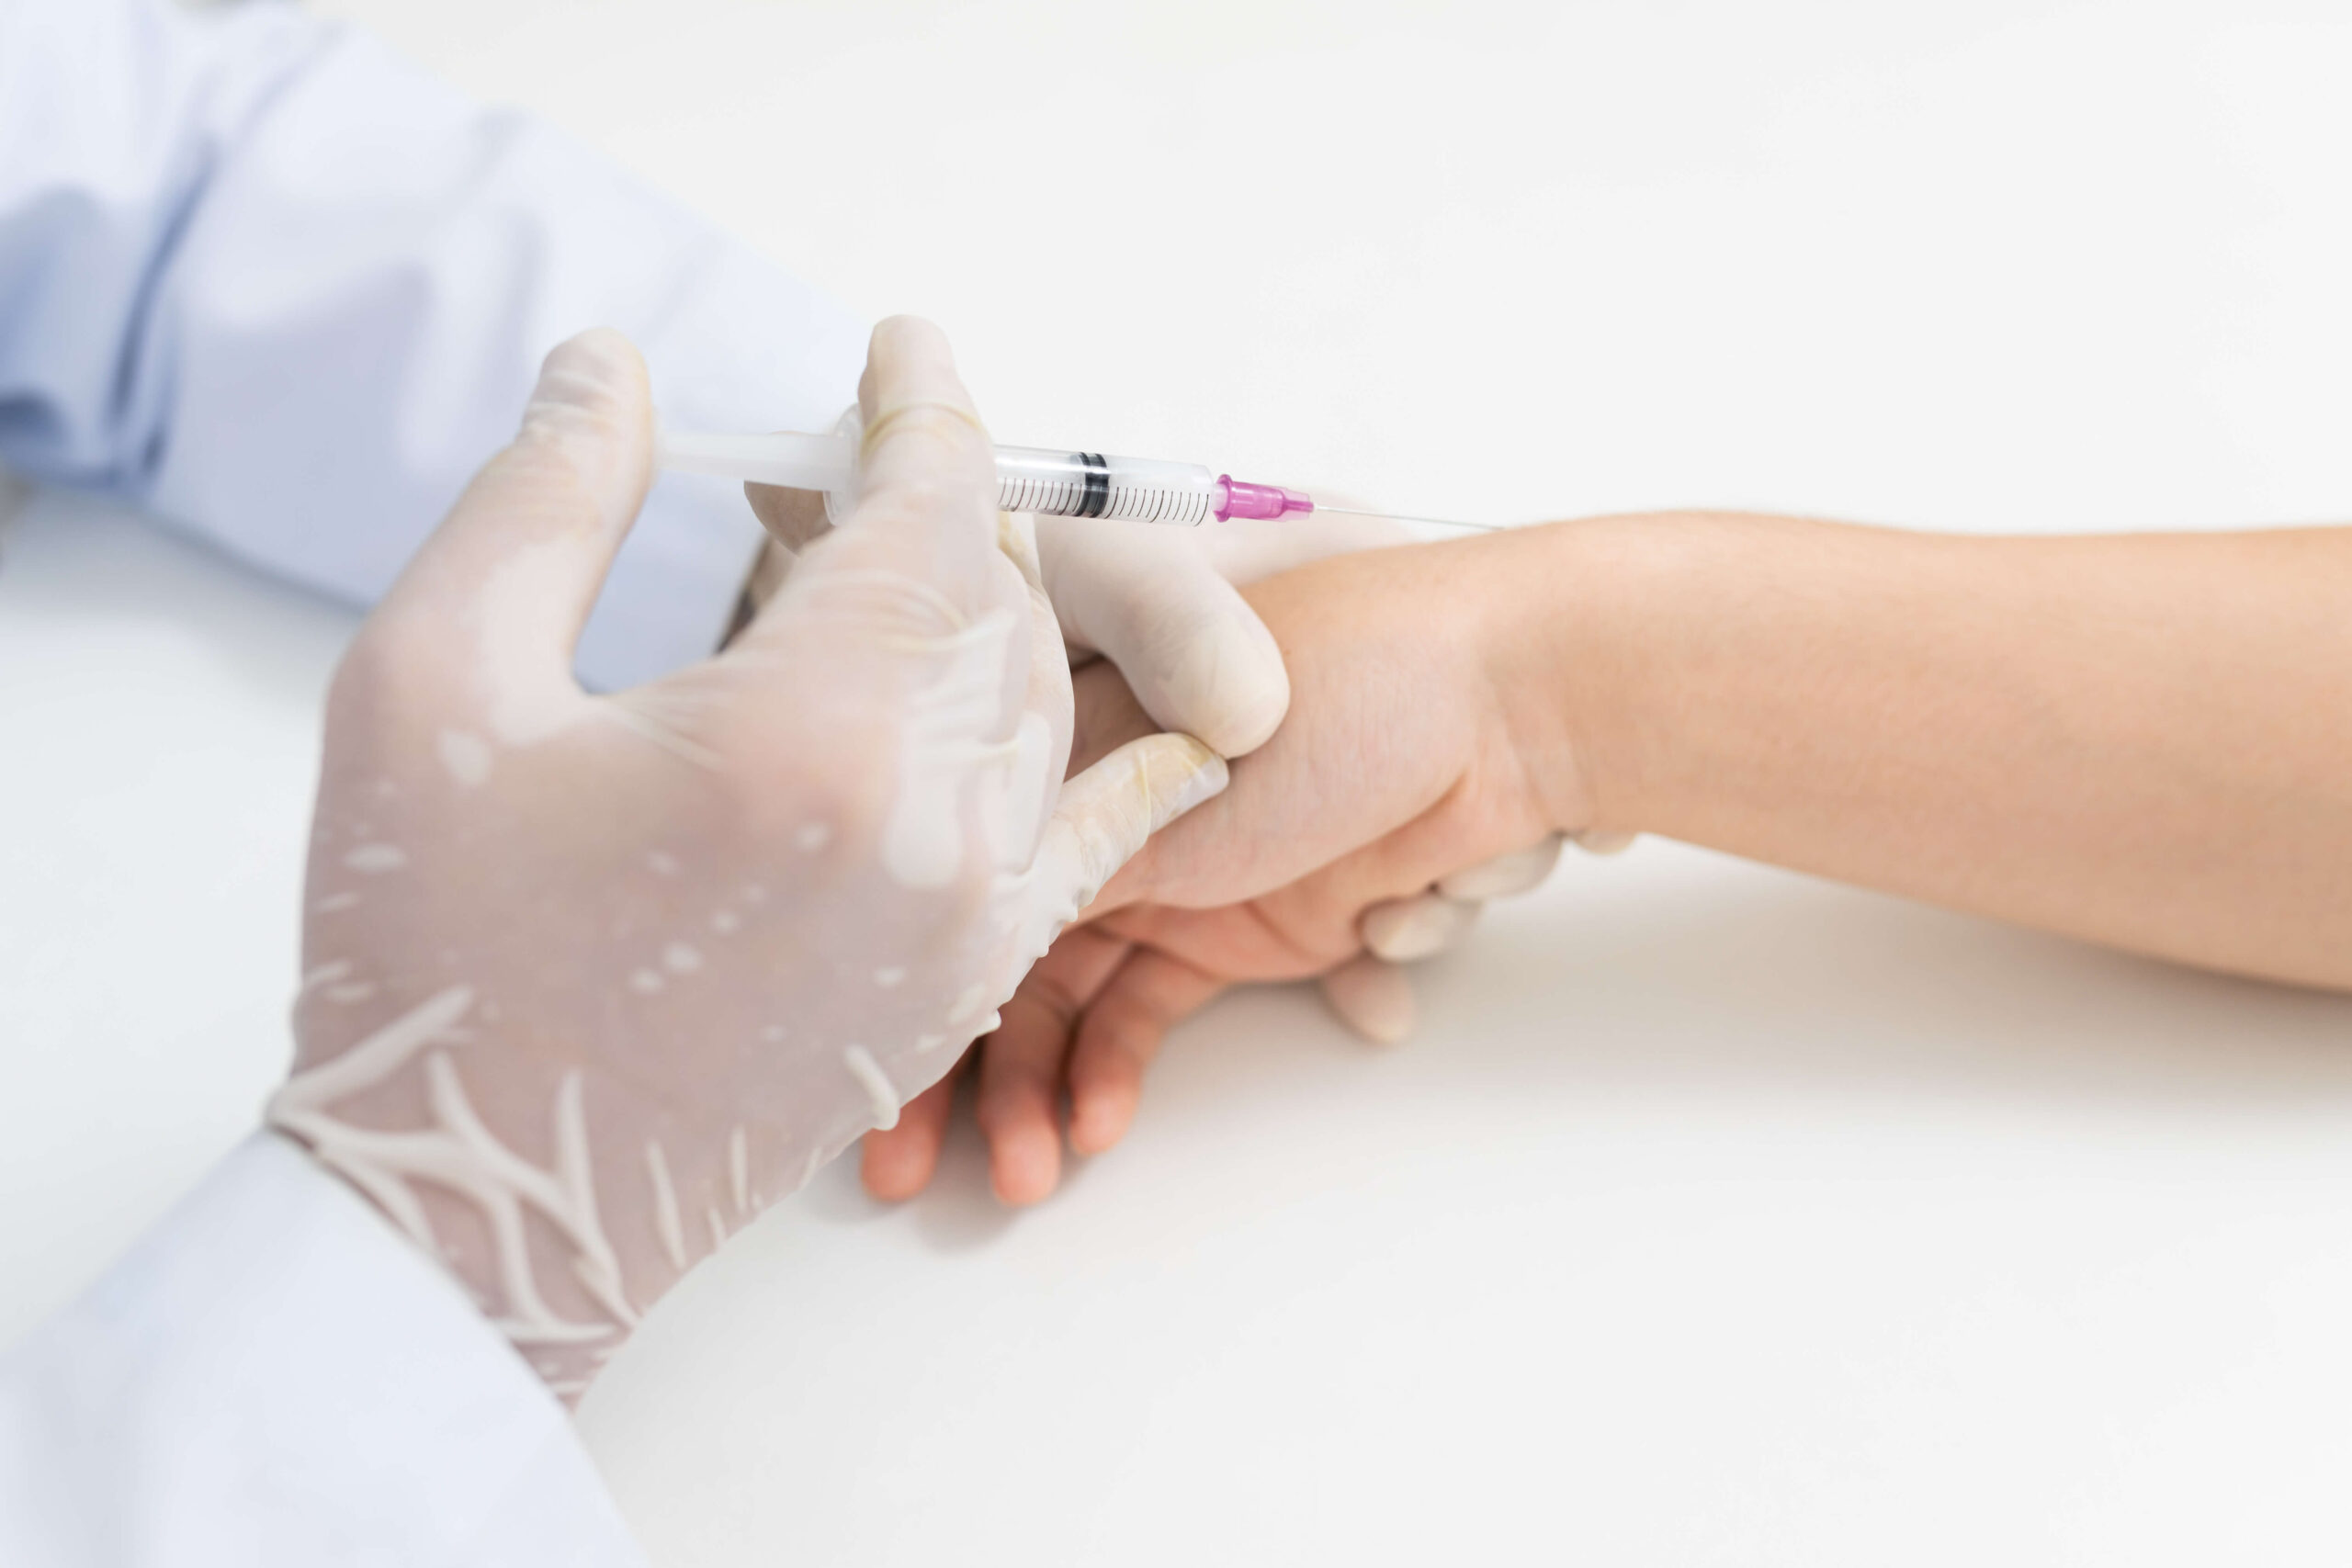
(1029,479)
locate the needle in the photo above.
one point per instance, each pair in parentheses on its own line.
(1395,517)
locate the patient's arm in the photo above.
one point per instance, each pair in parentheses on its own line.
(2142,740)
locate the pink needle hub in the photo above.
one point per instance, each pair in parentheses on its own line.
(1263,502)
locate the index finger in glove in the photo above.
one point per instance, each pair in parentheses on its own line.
(1103,819)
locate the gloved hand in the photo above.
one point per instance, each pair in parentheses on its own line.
(592,981)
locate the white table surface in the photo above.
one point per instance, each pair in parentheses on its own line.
(1715,1215)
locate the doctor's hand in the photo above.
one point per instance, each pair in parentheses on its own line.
(592,979)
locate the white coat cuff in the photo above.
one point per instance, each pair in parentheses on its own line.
(274,1375)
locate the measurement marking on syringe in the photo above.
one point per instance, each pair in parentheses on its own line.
(1067,498)
(1054,496)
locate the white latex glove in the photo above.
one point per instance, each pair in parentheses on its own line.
(593,979)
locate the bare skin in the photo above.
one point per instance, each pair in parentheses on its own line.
(2143,741)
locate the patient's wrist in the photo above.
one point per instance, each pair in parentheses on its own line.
(1586,615)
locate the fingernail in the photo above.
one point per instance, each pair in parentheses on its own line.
(1405,929)
(1596,842)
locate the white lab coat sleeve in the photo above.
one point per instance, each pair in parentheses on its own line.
(288,291)
(274,1376)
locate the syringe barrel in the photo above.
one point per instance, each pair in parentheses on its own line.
(1092,484)
(1029,479)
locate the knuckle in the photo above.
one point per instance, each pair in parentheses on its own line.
(1053,996)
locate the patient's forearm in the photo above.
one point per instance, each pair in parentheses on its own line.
(2143,740)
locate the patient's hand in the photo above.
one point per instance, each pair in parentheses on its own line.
(1399,773)
(2110,738)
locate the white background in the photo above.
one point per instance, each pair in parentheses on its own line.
(1715,1215)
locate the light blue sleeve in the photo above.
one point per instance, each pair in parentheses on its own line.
(286,290)
(275,1378)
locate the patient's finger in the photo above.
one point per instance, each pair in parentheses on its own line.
(1120,1034)
(1020,1064)
(1313,923)
(899,1161)
(1020,1083)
